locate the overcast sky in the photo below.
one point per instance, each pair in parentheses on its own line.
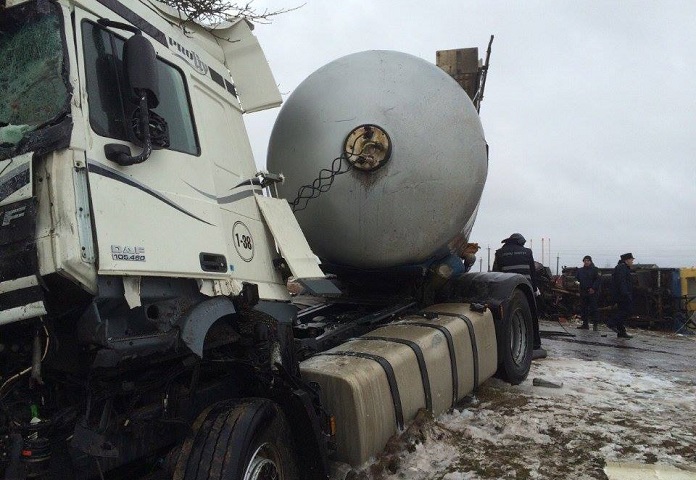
(590,111)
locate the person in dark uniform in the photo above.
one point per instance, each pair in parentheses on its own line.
(513,257)
(589,279)
(623,295)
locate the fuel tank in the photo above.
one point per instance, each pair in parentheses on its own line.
(375,384)
(384,160)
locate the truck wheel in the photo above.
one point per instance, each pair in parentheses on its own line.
(516,340)
(247,439)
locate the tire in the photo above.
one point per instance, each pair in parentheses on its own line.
(516,337)
(243,439)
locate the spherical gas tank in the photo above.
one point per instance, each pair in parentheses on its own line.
(407,152)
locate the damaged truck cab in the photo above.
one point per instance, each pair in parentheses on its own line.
(145,321)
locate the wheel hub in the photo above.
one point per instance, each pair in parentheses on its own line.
(518,334)
(263,465)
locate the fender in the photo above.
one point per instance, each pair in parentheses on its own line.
(198,320)
(495,290)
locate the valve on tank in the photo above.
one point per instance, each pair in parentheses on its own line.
(367,147)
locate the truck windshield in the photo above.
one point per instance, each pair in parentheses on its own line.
(33,84)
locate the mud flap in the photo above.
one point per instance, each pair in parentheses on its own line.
(294,247)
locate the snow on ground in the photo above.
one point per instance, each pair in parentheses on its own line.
(602,414)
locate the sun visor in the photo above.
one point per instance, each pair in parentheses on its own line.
(250,71)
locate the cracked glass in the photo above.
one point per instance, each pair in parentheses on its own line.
(32,81)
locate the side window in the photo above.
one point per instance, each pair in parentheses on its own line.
(108,115)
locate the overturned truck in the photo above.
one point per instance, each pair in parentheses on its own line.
(145,324)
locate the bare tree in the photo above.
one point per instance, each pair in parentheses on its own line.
(212,12)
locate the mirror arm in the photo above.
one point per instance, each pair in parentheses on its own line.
(116,153)
(122,26)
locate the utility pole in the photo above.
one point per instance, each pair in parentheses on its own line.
(480,264)
(549,252)
(557,258)
(489,258)
(543,257)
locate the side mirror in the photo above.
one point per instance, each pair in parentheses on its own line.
(140,66)
(140,70)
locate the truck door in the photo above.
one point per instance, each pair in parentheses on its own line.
(150,218)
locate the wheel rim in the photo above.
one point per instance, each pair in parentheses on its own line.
(264,464)
(518,336)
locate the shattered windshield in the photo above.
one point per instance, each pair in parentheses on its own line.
(33,88)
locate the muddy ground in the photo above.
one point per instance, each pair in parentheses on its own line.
(621,403)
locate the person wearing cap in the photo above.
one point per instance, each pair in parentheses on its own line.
(623,294)
(589,279)
(514,257)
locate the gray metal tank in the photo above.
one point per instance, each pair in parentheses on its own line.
(416,151)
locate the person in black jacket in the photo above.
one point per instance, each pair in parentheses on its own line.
(589,279)
(623,294)
(513,257)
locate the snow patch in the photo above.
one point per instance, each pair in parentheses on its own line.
(603,415)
